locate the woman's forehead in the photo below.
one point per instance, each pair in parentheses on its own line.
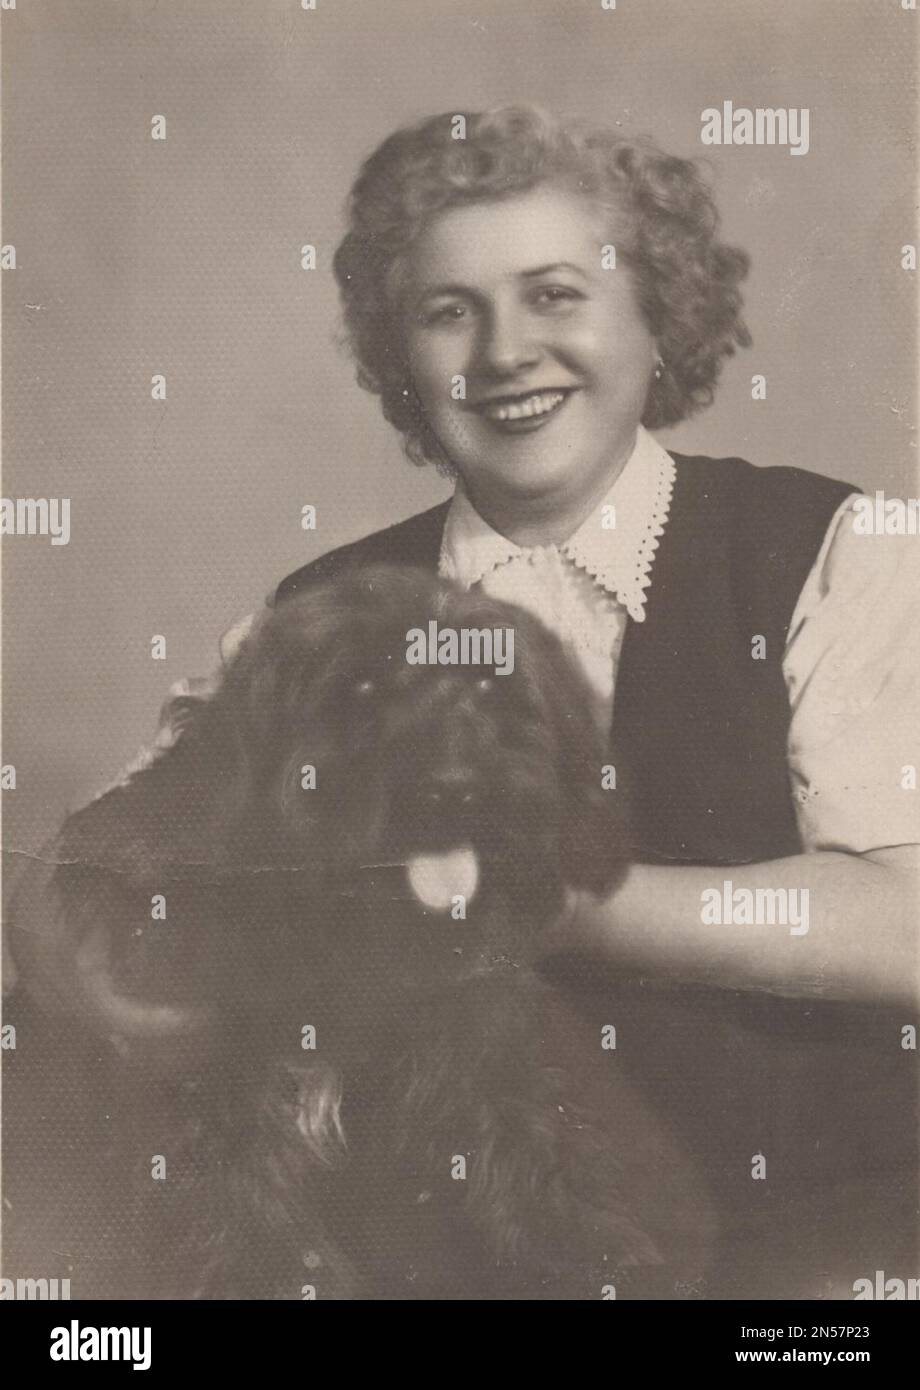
(530,233)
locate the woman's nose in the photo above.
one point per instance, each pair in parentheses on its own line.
(507,342)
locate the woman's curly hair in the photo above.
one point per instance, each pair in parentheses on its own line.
(664,226)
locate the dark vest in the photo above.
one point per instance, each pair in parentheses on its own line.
(700,719)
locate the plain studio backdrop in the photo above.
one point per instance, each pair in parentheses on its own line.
(182,257)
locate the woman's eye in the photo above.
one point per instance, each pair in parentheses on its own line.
(552,295)
(447,313)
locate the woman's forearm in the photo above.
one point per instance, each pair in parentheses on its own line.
(827,924)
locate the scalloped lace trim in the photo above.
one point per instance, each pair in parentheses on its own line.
(638,552)
(459,571)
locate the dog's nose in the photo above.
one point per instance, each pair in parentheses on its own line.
(450,791)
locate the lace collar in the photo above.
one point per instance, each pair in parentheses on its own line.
(618,556)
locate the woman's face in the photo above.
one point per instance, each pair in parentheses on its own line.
(554,353)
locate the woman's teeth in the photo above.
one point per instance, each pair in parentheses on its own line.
(524,408)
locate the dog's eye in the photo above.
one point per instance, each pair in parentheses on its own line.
(364,688)
(485,685)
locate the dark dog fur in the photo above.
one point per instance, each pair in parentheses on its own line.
(437,1041)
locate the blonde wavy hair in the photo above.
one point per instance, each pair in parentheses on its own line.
(663,221)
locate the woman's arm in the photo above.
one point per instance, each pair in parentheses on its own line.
(851,665)
(846,926)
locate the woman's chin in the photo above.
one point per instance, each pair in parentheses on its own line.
(526,478)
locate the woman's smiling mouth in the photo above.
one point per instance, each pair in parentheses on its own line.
(523,412)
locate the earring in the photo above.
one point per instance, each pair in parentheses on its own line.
(659,367)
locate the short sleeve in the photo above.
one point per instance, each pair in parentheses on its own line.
(852,669)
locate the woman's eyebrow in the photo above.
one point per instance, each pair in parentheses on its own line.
(557,265)
(432,290)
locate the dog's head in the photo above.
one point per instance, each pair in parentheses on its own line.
(409,727)
(407,773)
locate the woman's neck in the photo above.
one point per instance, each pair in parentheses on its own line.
(551,518)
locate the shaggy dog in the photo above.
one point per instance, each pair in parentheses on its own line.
(308,934)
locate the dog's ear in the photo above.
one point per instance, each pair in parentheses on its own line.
(174,838)
(594,841)
(594,834)
(197,826)
(196,812)
(179,817)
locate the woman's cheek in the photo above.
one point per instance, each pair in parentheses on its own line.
(434,369)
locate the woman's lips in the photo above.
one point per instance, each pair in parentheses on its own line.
(523,413)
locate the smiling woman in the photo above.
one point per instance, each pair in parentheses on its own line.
(534,273)
(528,301)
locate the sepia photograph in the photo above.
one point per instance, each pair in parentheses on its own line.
(461,658)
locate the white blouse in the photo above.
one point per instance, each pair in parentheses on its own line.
(851,664)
